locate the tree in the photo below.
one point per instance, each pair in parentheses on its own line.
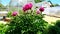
(56,4)
(51,3)
(38,1)
(2,7)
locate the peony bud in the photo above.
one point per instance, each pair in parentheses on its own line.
(38,11)
(41,9)
(14,13)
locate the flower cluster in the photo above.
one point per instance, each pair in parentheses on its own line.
(27,7)
(41,9)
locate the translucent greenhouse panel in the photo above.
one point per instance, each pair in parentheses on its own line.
(52,11)
(23,2)
(18,4)
(43,4)
(13,5)
(3,9)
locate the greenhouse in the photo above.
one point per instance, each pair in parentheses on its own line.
(29,16)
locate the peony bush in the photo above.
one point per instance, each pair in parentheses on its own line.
(28,22)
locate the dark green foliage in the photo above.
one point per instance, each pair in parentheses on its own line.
(52,30)
(58,23)
(55,29)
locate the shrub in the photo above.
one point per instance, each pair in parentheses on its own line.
(54,29)
(27,22)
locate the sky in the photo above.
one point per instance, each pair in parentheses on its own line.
(5,2)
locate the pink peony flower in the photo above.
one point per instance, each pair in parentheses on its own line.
(27,6)
(14,13)
(41,9)
(38,11)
